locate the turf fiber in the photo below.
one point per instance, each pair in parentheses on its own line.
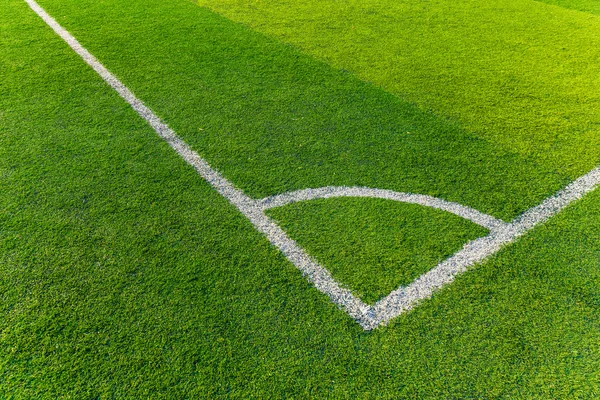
(124,275)
(517,73)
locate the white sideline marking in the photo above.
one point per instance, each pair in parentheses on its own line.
(318,275)
(401,299)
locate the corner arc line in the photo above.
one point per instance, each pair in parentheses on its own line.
(328,192)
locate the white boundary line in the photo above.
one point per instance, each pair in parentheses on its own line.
(401,299)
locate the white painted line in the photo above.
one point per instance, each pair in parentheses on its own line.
(485,220)
(401,299)
(315,273)
(405,298)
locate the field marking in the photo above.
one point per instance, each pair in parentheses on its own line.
(401,299)
(329,192)
(405,298)
(315,273)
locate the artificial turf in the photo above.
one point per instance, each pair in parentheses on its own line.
(372,245)
(273,119)
(590,6)
(124,275)
(521,74)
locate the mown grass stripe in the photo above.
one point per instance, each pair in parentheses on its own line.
(522,74)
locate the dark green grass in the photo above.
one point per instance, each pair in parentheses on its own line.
(123,275)
(374,246)
(518,73)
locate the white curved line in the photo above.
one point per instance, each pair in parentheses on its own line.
(328,192)
(405,298)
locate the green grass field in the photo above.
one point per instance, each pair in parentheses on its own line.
(123,274)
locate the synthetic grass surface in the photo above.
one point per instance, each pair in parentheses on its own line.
(521,74)
(591,6)
(123,275)
(111,247)
(372,245)
(273,120)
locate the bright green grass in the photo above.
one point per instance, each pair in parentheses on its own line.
(516,72)
(123,275)
(591,6)
(372,245)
